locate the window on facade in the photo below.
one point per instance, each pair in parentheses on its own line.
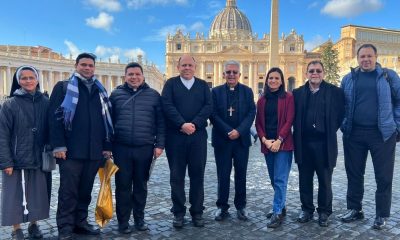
(209,67)
(178,46)
(292,48)
(260,88)
(209,47)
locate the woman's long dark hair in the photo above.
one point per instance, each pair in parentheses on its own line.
(281,90)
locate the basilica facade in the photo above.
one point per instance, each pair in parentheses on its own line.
(231,37)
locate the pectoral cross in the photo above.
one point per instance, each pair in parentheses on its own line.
(231,110)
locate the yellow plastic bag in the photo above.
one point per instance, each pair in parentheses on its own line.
(104,206)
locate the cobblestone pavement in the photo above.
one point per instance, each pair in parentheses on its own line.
(259,199)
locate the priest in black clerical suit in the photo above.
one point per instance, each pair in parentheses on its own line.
(232,117)
(187,105)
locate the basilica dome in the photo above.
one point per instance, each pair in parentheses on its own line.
(230,22)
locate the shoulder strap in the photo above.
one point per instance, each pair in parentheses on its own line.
(389,80)
(65,85)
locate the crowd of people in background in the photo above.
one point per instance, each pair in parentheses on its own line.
(84,126)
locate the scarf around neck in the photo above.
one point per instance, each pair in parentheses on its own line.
(71,101)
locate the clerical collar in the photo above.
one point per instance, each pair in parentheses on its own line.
(188,83)
(231,88)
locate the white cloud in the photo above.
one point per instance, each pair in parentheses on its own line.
(161,34)
(133,53)
(197,27)
(73,50)
(313,5)
(103,21)
(137,4)
(347,8)
(314,42)
(105,53)
(114,54)
(106,5)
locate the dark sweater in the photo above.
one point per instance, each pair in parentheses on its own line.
(181,105)
(271,115)
(366,105)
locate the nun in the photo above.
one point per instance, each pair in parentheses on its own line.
(23,131)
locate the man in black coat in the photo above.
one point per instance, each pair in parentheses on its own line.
(80,137)
(232,118)
(319,112)
(138,140)
(187,105)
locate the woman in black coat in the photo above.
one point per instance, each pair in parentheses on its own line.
(23,133)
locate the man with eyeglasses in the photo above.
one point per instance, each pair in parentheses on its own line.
(187,105)
(371,124)
(232,118)
(319,109)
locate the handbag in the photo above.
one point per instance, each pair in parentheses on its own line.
(48,160)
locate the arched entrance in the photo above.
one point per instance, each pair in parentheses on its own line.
(291,83)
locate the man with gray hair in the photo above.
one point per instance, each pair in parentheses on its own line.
(232,117)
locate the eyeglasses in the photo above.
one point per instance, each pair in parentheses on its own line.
(314,70)
(231,72)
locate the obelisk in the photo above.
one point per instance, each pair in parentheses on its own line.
(274,35)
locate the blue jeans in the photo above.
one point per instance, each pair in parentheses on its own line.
(279,165)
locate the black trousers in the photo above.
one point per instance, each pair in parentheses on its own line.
(75,192)
(191,152)
(131,180)
(356,148)
(232,153)
(315,160)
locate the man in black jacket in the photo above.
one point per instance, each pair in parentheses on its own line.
(319,112)
(187,105)
(80,136)
(138,140)
(233,115)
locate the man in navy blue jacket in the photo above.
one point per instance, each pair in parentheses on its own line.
(232,118)
(371,124)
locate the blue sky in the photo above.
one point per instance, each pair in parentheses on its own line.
(125,28)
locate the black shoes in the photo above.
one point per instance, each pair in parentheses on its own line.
(352,215)
(177,222)
(17,234)
(86,229)
(65,236)
(124,228)
(34,231)
(275,221)
(323,220)
(221,215)
(140,224)
(379,223)
(271,212)
(242,214)
(305,217)
(198,221)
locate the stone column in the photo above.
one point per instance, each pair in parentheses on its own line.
(2,82)
(251,75)
(108,84)
(8,80)
(220,71)
(274,35)
(41,80)
(215,76)
(202,74)
(241,79)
